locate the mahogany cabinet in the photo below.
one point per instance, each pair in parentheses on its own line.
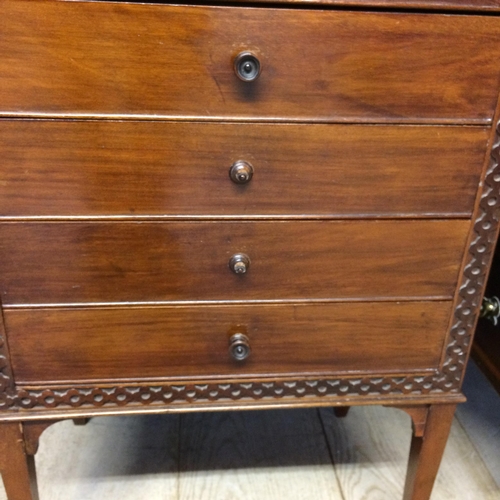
(233,206)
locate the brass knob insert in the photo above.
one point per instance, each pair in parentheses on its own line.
(241,172)
(239,346)
(247,66)
(239,263)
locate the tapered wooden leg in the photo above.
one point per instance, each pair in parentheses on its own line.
(81,421)
(426,452)
(16,466)
(341,411)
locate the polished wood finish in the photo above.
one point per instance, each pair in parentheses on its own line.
(32,432)
(368,224)
(418,415)
(130,169)
(17,468)
(120,59)
(145,343)
(426,452)
(68,263)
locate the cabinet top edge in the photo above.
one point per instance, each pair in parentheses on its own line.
(448,6)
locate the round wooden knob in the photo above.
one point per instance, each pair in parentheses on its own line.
(239,347)
(239,263)
(241,172)
(247,67)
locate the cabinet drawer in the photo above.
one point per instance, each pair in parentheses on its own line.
(99,344)
(133,261)
(137,168)
(99,58)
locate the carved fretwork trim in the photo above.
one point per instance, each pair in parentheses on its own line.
(475,276)
(447,381)
(5,378)
(239,391)
(6,381)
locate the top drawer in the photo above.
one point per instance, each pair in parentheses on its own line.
(98,58)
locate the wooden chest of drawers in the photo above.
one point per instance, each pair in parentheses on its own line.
(209,207)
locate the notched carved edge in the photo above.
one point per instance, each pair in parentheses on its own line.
(221,392)
(466,309)
(6,379)
(475,274)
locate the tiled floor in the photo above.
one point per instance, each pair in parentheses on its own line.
(273,455)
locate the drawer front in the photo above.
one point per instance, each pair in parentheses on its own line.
(48,345)
(107,58)
(115,262)
(138,168)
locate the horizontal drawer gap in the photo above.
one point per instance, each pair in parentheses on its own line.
(246,119)
(460,123)
(186,219)
(190,303)
(241,218)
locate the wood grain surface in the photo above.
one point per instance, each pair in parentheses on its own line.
(132,261)
(93,305)
(101,59)
(17,468)
(97,344)
(171,169)
(426,452)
